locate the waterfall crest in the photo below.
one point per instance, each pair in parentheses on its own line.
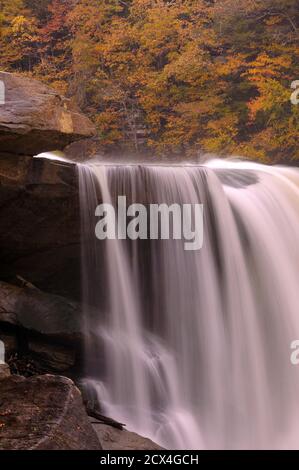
(192,349)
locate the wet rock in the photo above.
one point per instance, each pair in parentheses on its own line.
(56,357)
(35,118)
(84,150)
(115,439)
(26,366)
(44,413)
(29,353)
(34,310)
(4,372)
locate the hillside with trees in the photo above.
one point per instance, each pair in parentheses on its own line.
(177,76)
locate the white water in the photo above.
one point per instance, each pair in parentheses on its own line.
(193,348)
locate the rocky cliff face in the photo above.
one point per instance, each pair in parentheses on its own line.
(39,210)
(35,119)
(40,225)
(39,234)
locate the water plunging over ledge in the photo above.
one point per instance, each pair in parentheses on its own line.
(192,349)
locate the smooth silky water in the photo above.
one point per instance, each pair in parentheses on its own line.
(192,349)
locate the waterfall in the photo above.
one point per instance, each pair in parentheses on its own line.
(192,348)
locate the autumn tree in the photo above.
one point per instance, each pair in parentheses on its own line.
(165,76)
(18,31)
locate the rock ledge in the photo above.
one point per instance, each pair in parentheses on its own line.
(35,119)
(44,413)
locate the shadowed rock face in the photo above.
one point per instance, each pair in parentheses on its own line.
(44,413)
(36,311)
(40,224)
(39,327)
(4,371)
(39,207)
(40,227)
(35,118)
(40,247)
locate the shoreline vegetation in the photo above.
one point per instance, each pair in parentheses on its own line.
(178,78)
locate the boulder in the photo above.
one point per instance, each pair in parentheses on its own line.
(34,118)
(44,413)
(34,310)
(116,439)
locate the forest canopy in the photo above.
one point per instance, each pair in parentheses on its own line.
(177,76)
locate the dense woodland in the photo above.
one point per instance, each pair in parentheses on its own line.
(177,76)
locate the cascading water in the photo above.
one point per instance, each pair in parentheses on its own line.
(193,348)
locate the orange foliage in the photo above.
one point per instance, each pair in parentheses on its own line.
(170,76)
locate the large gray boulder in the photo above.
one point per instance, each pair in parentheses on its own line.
(44,413)
(34,118)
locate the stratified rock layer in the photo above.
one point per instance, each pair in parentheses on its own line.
(40,223)
(43,413)
(34,310)
(39,327)
(34,118)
